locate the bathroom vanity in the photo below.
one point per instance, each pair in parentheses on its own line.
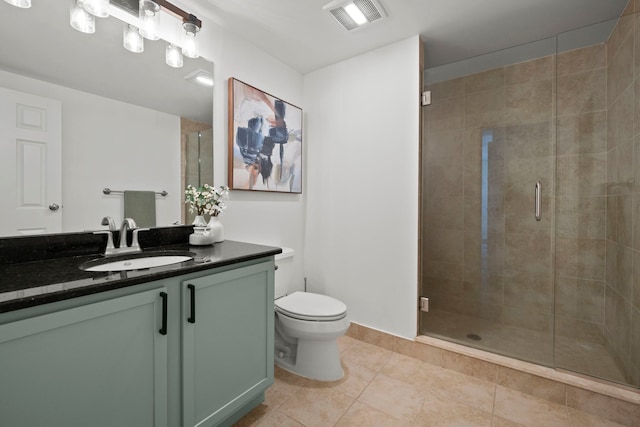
(181,345)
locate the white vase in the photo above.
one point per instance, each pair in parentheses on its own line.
(217,229)
(202,234)
(199,221)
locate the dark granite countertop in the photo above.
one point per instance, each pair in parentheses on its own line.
(35,282)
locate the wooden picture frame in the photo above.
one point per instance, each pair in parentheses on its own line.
(265,141)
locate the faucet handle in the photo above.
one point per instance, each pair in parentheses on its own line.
(134,242)
(110,247)
(131,222)
(107,220)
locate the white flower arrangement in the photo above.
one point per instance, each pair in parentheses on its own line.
(206,199)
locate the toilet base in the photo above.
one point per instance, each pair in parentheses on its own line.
(316,360)
(309,348)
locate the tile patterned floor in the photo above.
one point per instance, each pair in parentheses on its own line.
(383,388)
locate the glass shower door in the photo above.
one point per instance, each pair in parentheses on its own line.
(488,164)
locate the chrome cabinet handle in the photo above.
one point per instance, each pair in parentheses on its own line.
(54,207)
(538,196)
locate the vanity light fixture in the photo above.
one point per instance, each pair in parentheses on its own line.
(98,8)
(132,40)
(189,40)
(80,19)
(173,56)
(20,3)
(149,14)
(354,14)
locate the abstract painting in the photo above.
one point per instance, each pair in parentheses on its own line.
(265,141)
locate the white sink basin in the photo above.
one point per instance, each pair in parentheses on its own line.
(135,262)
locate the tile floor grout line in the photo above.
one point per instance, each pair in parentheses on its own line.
(372,356)
(495,396)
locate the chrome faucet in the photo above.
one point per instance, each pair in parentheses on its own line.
(130,224)
(123,248)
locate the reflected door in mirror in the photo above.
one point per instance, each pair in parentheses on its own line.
(30,158)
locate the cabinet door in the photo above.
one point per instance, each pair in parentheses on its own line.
(101,364)
(227,342)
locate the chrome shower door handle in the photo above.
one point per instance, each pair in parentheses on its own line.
(538,196)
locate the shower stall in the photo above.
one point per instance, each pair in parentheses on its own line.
(530,215)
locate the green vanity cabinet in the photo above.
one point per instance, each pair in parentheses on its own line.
(227,344)
(98,364)
(190,350)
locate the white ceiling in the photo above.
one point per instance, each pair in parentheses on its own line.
(301,34)
(298,32)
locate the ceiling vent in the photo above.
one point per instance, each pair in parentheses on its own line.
(353,14)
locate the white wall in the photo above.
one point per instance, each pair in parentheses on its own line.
(265,218)
(362,185)
(107,143)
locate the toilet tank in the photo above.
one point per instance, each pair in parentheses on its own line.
(283,282)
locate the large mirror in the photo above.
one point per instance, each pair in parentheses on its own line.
(127,122)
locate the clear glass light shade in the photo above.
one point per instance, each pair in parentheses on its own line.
(174,56)
(99,8)
(149,19)
(20,3)
(132,40)
(190,41)
(82,20)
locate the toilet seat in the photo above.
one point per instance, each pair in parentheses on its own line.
(310,306)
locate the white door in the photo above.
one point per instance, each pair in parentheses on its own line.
(30,164)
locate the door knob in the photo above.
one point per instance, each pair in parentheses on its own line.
(54,207)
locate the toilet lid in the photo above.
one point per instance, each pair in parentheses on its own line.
(310,306)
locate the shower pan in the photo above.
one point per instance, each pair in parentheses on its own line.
(530,211)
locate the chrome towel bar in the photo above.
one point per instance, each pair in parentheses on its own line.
(109,191)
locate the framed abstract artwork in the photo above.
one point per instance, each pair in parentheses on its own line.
(265,141)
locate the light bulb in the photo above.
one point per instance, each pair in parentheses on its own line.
(99,8)
(82,20)
(20,3)
(173,56)
(149,19)
(189,40)
(132,40)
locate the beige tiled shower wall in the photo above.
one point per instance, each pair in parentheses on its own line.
(584,106)
(581,194)
(622,292)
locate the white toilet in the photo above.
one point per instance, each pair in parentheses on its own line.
(307,327)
